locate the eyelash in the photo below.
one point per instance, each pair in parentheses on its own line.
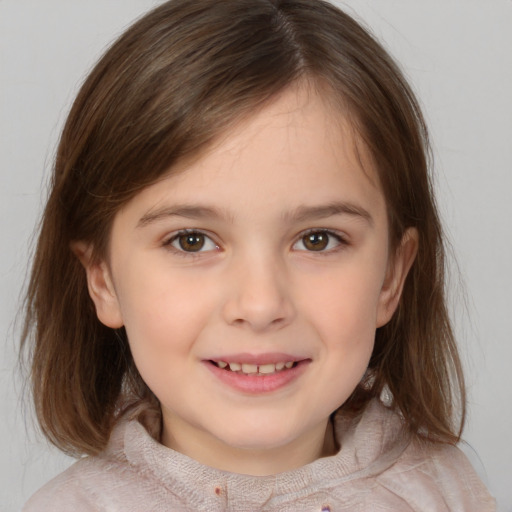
(168,243)
(340,240)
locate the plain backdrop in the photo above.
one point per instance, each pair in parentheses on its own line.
(458,56)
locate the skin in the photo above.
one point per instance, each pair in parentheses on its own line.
(256,286)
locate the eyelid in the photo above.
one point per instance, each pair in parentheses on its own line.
(168,241)
(340,237)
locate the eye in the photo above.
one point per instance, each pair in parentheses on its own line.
(191,242)
(319,241)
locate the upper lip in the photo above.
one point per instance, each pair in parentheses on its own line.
(258,359)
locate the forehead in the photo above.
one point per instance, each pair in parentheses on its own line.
(294,151)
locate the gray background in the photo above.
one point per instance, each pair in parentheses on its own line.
(458,56)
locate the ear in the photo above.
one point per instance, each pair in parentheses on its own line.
(398,267)
(100,286)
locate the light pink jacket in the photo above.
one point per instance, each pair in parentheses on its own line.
(376,470)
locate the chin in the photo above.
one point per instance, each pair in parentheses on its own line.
(258,436)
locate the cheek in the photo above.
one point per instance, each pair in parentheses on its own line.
(163,316)
(344,318)
(344,300)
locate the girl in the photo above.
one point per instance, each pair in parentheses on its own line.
(236,301)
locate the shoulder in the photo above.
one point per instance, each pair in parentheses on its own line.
(87,484)
(437,477)
(119,479)
(65,492)
(95,484)
(407,473)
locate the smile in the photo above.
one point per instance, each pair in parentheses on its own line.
(257,374)
(254,369)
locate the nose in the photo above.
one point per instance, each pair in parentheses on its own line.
(258,295)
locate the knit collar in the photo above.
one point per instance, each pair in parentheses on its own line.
(370,443)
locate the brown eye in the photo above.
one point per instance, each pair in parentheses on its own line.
(316,241)
(188,242)
(191,242)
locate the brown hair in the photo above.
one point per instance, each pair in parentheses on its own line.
(163,92)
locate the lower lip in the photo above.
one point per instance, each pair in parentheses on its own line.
(255,384)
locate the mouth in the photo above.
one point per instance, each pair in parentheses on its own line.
(257,374)
(257,370)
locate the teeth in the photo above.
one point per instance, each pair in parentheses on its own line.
(267,368)
(251,369)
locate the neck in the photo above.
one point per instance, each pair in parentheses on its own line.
(257,462)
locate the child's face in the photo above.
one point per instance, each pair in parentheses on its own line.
(285,260)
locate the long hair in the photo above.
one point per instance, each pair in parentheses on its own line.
(163,92)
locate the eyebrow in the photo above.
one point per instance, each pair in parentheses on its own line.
(300,214)
(187,211)
(307,213)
